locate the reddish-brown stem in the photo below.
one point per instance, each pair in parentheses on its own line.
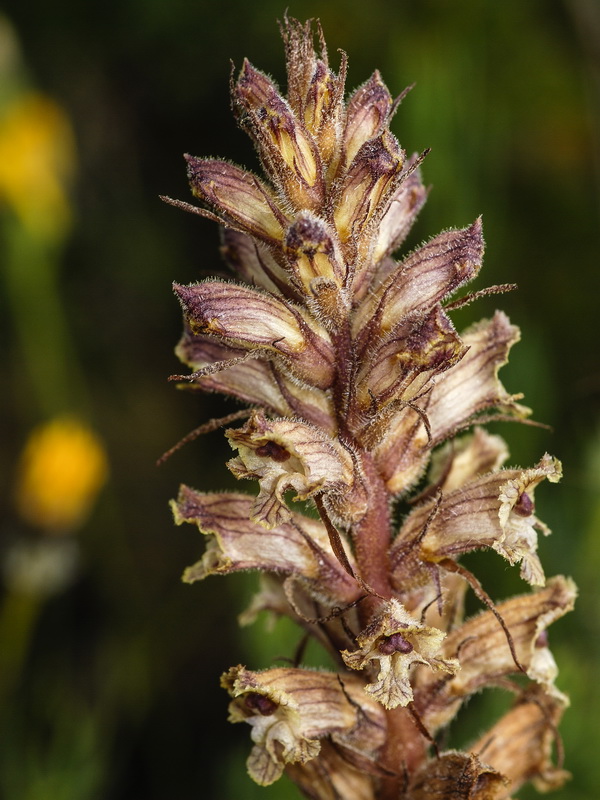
(404,751)
(342,388)
(372,535)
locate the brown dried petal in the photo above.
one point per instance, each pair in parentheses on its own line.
(330,776)
(520,744)
(396,641)
(287,454)
(300,60)
(480,645)
(240,198)
(457,776)
(308,706)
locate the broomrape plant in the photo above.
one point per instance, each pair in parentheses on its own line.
(358,389)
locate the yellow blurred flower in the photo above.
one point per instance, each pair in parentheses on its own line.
(37,159)
(62,469)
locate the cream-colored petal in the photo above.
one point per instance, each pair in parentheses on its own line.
(462,460)
(291,710)
(299,547)
(396,641)
(472,385)
(287,454)
(450,402)
(398,220)
(516,515)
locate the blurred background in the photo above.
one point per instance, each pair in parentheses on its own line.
(109,666)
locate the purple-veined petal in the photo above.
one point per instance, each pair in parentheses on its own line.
(249,318)
(253,380)
(239,198)
(472,385)
(427,276)
(299,547)
(485,658)
(399,218)
(365,192)
(287,454)
(289,152)
(292,710)
(494,510)
(254,263)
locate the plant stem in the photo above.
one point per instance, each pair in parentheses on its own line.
(372,535)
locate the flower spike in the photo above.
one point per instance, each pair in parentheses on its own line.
(357,387)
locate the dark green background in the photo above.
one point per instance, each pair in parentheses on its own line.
(119,696)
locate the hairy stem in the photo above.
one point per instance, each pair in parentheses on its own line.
(404,751)
(372,535)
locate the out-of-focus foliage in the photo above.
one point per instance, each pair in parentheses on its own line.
(112,681)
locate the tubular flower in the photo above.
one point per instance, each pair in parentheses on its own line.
(360,387)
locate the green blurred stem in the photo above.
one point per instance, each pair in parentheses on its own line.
(18,615)
(46,354)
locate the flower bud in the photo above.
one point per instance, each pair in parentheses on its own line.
(368,111)
(364,189)
(251,319)
(289,152)
(312,251)
(239,197)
